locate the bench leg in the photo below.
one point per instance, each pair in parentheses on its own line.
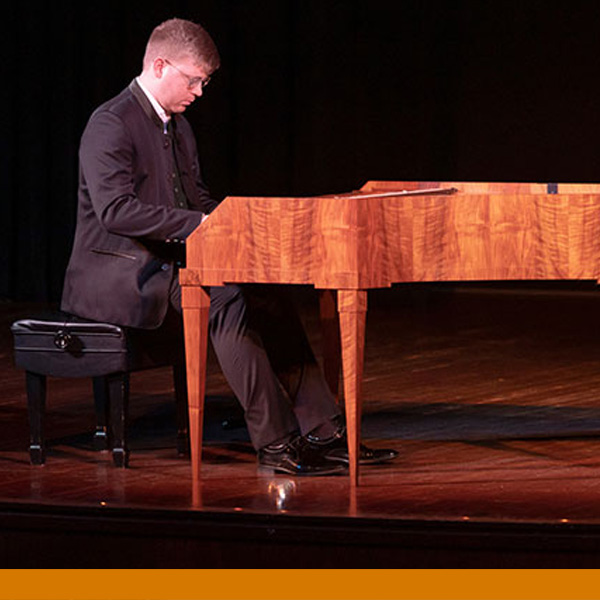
(36,407)
(100,385)
(118,394)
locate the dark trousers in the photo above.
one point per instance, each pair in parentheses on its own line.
(268,362)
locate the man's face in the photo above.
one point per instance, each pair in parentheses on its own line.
(180,83)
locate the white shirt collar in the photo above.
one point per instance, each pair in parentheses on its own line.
(160,111)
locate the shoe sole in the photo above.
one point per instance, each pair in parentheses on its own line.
(269,470)
(362,461)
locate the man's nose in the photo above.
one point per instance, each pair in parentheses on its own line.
(197,89)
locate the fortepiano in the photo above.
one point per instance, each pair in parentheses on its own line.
(387,232)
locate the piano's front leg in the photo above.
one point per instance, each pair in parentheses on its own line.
(352,307)
(195,302)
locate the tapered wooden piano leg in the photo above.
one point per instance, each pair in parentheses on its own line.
(195,303)
(330,328)
(352,306)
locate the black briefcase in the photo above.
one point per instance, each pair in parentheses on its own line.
(63,345)
(69,347)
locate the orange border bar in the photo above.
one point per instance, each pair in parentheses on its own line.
(412,584)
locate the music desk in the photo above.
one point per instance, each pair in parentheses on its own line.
(385,233)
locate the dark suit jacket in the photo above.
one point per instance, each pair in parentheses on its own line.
(126,210)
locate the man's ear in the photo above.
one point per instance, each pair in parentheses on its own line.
(158,66)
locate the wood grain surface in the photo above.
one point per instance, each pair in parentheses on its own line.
(485,231)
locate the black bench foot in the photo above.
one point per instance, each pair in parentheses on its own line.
(36,455)
(120,458)
(101,439)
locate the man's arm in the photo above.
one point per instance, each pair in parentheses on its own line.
(107,162)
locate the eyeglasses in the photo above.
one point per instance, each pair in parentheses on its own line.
(192,82)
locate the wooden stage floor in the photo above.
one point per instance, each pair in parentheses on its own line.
(490,394)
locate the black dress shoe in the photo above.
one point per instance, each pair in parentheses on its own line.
(297,457)
(335,449)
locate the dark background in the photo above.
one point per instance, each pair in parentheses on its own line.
(314,96)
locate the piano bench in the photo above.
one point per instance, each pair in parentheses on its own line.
(61,345)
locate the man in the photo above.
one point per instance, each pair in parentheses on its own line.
(139,186)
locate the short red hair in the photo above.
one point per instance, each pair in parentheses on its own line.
(176,38)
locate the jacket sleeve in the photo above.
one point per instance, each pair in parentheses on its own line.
(107,160)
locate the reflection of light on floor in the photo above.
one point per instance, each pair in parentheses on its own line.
(281,491)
